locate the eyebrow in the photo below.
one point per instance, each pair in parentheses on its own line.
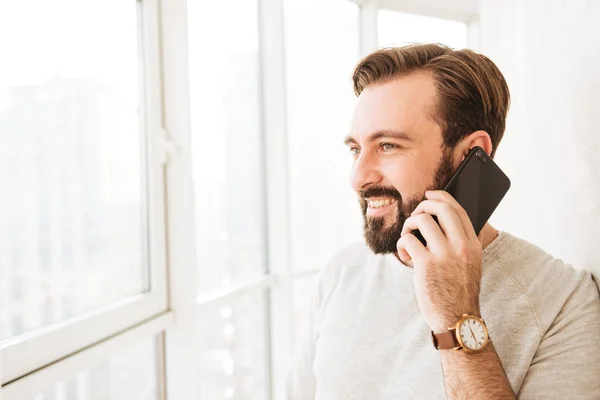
(385,133)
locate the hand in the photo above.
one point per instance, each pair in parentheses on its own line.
(448,270)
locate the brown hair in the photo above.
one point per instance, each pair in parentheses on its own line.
(473,94)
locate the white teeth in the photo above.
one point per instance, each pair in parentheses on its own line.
(380,203)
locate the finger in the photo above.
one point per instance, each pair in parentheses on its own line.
(431,231)
(403,255)
(443,196)
(448,219)
(410,245)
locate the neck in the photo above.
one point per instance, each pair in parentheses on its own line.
(487,235)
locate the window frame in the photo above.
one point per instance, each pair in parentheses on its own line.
(276,177)
(466,11)
(458,10)
(28,386)
(24,354)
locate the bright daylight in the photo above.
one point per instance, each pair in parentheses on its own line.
(299,199)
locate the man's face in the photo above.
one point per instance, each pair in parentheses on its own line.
(398,154)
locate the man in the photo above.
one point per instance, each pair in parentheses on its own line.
(377,306)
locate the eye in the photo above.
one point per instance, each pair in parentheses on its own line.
(388,146)
(354,151)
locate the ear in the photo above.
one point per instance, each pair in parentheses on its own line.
(477,138)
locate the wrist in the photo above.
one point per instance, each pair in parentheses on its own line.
(449,320)
(469,333)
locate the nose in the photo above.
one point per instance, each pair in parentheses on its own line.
(365,173)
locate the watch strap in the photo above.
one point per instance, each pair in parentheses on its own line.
(445,340)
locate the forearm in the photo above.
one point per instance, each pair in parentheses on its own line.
(475,375)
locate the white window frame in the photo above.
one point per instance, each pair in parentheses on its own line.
(276,169)
(466,11)
(181,340)
(30,385)
(457,10)
(182,347)
(21,356)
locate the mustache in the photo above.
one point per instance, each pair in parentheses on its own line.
(380,192)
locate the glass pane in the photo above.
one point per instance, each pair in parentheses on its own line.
(226,141)
(235,357)
(129,374)
(72,213)
(398,29)
(321,53)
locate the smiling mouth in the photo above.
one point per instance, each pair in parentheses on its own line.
(380,206)
(380,203)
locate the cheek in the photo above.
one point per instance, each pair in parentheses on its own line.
(407,175)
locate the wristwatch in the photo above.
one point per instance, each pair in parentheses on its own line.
(470,334)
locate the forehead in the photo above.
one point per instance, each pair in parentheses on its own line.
(404,104)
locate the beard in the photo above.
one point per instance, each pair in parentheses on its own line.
(382,239)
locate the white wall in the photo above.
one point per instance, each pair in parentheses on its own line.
(549,51)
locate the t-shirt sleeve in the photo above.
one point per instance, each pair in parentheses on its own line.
(566,364)
(301,384)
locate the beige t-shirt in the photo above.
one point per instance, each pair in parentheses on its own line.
(365,338)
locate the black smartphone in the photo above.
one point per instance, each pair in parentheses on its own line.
(478,185)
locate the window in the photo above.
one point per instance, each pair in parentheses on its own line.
(324,214)
(81,229)
(234,344)
(319,61)
(130,374)
(227,155)
(93,122)
(72,141)
(398,28)
(226,142)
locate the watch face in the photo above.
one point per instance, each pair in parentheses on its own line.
(472,334)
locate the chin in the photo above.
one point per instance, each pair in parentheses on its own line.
(382,242)
(382,233)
